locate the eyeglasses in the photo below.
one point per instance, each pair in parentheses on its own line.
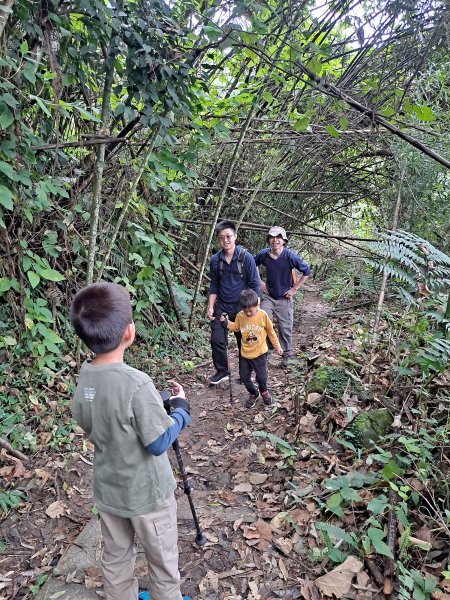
(275,237)
(222,238)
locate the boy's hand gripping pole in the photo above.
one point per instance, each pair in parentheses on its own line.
(200,539)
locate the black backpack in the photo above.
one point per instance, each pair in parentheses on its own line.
(240,263)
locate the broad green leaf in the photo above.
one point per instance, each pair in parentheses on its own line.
(331,129)
(376,537)
(8,170)
(213,33)
(50,274)
(41,104)
(86,114)
(350,494)
(300,124)
(6,117)
(33,278)
(378,505)
(343,123)
(316,66)
(6,284)
(6,198)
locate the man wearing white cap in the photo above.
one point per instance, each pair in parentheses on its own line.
(281,284)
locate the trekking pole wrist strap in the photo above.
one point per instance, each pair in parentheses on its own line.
(178,402)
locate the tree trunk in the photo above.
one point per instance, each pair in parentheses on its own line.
(100,162)
(7,6)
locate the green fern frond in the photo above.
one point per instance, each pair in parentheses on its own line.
(336,532)
(409,258)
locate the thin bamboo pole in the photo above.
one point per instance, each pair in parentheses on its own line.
(220,201)
(100,153)
(383,286)
(126,205)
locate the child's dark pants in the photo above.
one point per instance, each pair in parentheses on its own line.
(259,366)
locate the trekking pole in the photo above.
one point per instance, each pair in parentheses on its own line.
(224,325)
(200,539)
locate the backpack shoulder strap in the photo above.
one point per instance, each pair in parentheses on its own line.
(240,261)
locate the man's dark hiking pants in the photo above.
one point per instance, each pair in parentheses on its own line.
(219,338)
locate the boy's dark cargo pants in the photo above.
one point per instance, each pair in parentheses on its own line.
(259,366)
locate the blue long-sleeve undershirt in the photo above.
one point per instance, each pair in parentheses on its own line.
(166,439)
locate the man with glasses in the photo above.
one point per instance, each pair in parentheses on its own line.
(281,284)
(232,270)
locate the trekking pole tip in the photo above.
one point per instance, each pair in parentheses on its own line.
(200,540)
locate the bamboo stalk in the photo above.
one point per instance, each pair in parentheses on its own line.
(133,186)
(270,191)
(220,201)
(79,144)
(172,298)
(100,153)
(262,227)
(4,14)
(385,274)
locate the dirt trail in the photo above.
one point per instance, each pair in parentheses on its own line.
(241,482)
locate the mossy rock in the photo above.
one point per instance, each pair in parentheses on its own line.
(335,381)
(368,426)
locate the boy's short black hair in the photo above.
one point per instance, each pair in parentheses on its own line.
(248,298)
(100,313)
(224,225)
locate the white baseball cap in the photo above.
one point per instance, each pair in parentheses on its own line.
(275,231)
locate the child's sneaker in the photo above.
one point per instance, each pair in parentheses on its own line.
(251,400)
(267,398)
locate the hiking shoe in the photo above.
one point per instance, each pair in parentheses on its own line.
(267,398)
(251,400)
(218,378)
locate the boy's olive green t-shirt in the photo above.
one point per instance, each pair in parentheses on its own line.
(121,412)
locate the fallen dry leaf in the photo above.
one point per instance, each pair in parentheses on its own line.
(243,487)
(258,478)
(210,582)
(19,469)
(254,590)
(308,589)
(438,595)
(313,398)
(283,569)
(92,578)
(339,581)
(56,509)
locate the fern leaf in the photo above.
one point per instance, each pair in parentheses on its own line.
(337,533)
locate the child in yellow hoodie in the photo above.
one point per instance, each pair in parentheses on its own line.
(254,326)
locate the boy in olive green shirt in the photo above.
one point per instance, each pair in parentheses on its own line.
(123,415)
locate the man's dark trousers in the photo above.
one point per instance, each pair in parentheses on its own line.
(219,334)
